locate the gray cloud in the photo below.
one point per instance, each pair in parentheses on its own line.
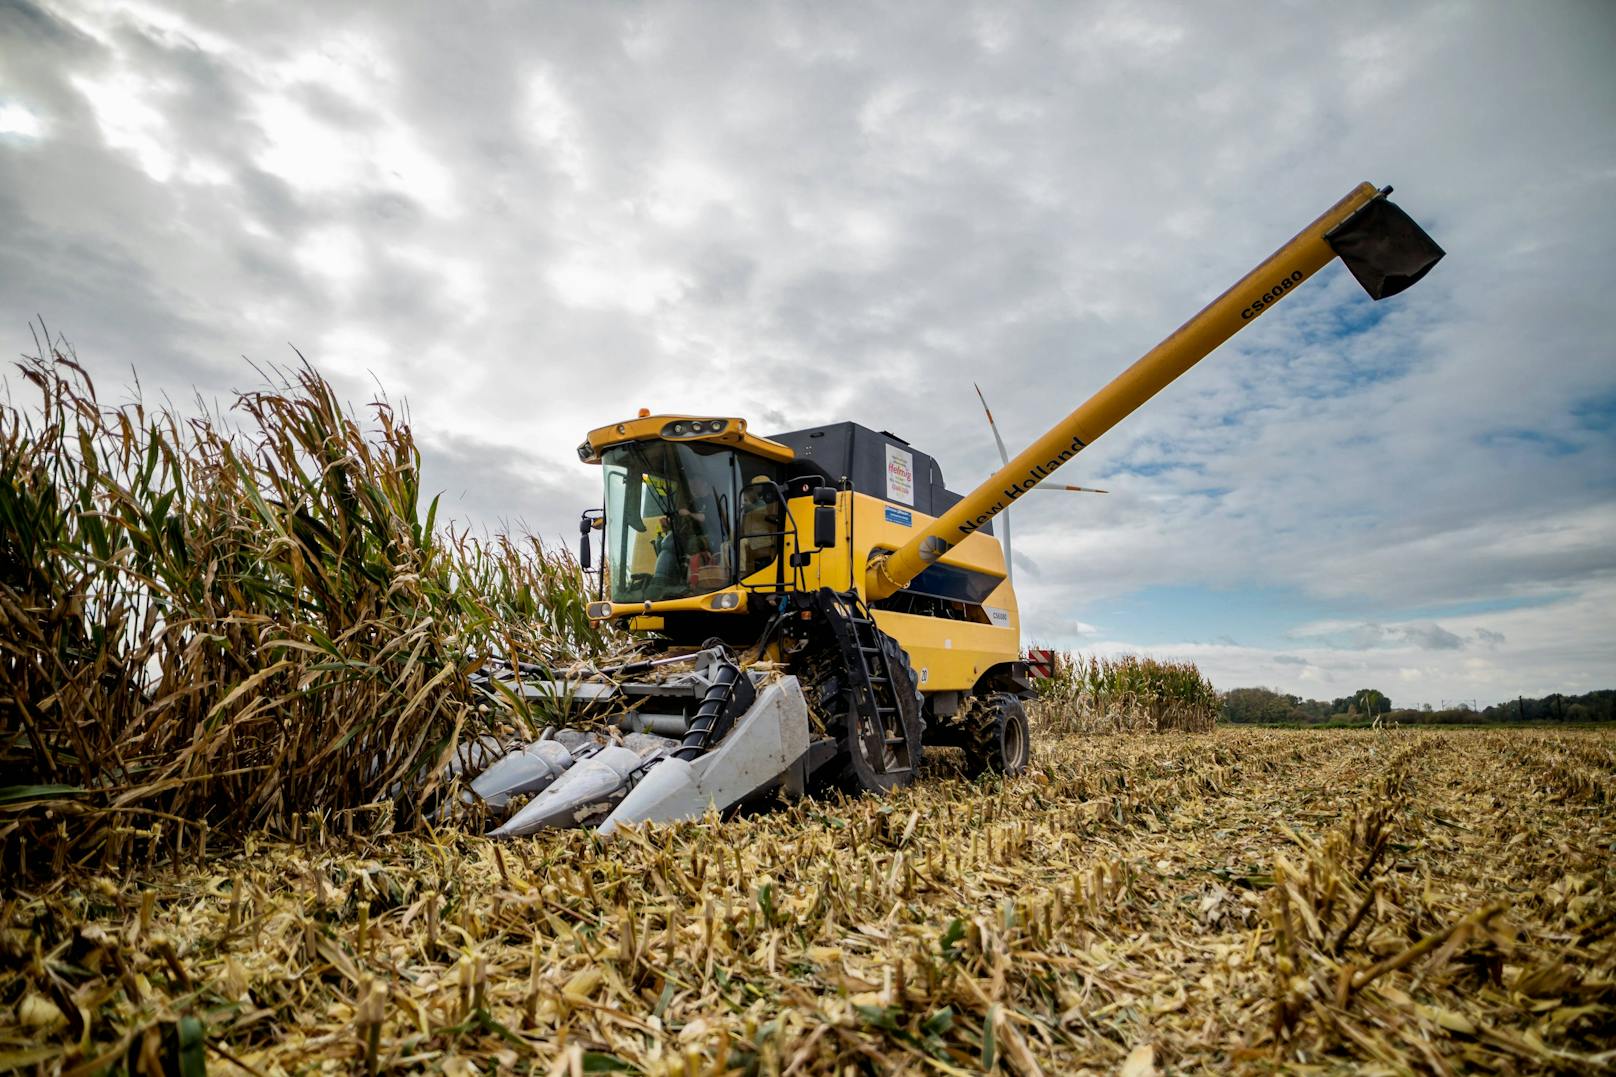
(1428,636)
(503,487)
(529,222)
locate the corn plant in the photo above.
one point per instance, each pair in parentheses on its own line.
(228,625)
(1124,694)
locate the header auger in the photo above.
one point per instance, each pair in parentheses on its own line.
(820,606)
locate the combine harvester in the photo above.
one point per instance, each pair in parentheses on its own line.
(820,606)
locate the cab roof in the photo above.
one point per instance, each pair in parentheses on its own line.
(727,430)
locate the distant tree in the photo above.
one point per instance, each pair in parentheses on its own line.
(1371,702)
(1366,701)
(1262,706)
(1269,706)
(1314,710)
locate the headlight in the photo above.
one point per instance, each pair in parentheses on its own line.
(599,611)
(694,427)
(727,601)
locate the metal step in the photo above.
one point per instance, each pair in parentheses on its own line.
(874,683)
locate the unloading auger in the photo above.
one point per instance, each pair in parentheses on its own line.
(818,605)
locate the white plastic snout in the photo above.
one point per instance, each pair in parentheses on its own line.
(761,748)
(590,787)
(524,771)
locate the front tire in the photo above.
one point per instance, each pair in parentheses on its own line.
(899,765)
(997,737)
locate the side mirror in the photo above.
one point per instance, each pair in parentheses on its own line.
(586,523)
(824,517)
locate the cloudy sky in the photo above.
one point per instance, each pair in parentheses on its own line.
(527,220)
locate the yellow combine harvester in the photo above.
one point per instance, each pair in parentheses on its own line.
(821,605)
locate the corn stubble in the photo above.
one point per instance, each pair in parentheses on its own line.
(1387,901)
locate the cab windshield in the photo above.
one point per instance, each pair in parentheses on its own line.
(681,518)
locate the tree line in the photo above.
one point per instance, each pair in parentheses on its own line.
(1267,706)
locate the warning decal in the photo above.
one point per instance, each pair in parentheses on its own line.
(900,475)
(1042,662)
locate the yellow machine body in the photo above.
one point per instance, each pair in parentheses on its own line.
(879,550)
(948,654)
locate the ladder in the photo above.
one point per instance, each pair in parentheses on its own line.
(873,681)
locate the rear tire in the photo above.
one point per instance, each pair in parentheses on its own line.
(997,738)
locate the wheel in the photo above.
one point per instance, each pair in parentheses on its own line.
(898,764)
(997,739)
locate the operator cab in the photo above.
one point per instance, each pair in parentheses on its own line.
(686,518)
(693,506)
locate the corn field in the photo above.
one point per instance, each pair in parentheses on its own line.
(1126,694)
(224,623)
(1241,900)
(246,626)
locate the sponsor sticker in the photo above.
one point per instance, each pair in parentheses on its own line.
(900,475)
(900,516)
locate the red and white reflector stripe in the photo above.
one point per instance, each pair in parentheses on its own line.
(1042,662)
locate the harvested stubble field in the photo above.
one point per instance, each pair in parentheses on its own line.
(1254,900)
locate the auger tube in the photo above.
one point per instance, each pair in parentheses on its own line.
(1394,259)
